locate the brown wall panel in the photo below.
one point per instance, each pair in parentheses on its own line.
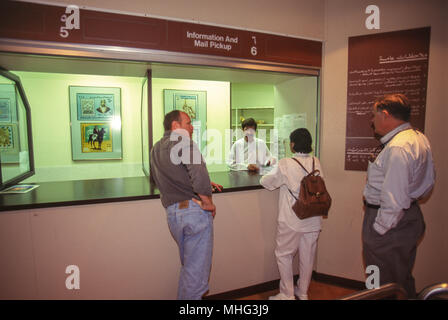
(379,64)
(19,20)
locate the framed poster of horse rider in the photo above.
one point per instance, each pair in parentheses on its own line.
(96,137)
(95,114)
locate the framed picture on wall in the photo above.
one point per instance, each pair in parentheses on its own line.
(8,104)
(5,110)
(193,103)
(96,137)
(9,143)
(95,114)
(9,129)
(95,107)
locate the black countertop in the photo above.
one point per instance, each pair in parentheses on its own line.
(68,193)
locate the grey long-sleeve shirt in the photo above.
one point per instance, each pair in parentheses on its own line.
(178,169)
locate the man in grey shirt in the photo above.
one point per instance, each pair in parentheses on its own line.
(179,171)
(402,173)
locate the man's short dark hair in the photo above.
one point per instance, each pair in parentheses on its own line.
(302,140)
(396,104)
(169,118)
(249,122)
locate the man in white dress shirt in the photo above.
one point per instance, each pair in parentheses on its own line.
(294,234)
(402,173)
(249,153)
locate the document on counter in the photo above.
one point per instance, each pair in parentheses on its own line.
(20,188)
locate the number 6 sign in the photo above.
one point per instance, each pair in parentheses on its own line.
(253,49)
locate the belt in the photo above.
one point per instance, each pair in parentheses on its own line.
(373,206)
(376,206)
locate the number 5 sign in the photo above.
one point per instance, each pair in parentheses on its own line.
(71,21)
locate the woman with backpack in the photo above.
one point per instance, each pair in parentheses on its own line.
(294,234)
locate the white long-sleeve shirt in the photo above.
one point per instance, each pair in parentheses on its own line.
(289,174)
(244,153)
(402,173)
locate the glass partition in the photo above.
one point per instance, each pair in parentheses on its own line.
(90,119)
(145,128)
(86,126)
(296,106)
(278,102)
(16,154)
(118,108)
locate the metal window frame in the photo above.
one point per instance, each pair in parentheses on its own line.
(146,55)
(21,177)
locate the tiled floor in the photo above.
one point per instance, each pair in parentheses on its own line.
(317,291)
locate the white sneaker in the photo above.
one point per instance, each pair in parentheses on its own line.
(301,297)
(281,296)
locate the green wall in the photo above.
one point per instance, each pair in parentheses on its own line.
(247,95)
(298,96)
(218,111)
(48,95)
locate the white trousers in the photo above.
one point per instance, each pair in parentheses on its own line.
(288,242)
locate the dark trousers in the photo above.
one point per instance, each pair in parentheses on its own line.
(394,252)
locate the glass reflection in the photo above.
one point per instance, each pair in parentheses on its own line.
(275,104)
(14,152)
(145,128)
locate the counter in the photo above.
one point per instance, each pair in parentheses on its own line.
(67,193)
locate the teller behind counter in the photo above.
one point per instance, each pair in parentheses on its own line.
(250,153)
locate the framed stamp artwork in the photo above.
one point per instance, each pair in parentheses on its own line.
(9,143)
(8,104)
(5,109)
(193,103)
(9,128)
(96,137)
(95,114)
(95,107)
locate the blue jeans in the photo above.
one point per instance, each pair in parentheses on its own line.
(192,228)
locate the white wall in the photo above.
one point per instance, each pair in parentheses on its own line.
(125,250)
(340,250)
(302,18)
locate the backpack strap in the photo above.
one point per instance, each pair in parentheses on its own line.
(303,169)
(292,194)
(302,165)
(313,171)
